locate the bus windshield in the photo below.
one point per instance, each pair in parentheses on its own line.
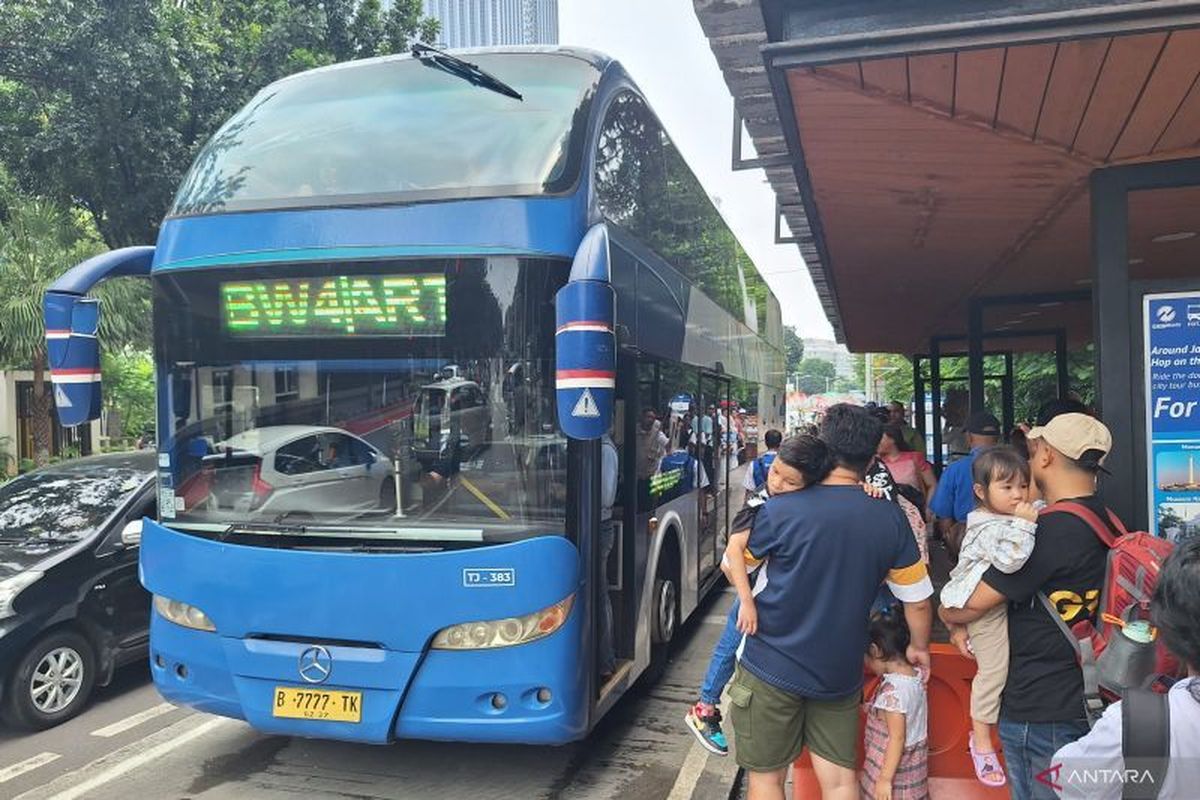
(412,399)
(396,130)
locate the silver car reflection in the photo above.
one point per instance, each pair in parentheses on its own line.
(300,469)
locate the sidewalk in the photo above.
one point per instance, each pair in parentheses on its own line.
(704,775)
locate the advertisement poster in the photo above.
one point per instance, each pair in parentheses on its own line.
(1172,330)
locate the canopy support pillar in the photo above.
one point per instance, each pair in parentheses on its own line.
(1060,360)
(935,389)
(1008,411)
(975,356)
(919,408)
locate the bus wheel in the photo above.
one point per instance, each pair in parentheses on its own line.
(666,610)
(664,621)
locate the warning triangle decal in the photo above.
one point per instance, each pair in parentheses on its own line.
(60,398)
(586,405)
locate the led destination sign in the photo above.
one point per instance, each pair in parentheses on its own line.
(340,305)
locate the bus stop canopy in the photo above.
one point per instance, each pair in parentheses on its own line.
(928,155)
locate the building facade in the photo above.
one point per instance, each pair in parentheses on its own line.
(834,353)
(17,423)
(487,23)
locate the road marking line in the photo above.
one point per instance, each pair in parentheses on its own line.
(132,722)
(21,767)
(689,773)
(80,782)
(715,619)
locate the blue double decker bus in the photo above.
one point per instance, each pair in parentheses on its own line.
(405,311)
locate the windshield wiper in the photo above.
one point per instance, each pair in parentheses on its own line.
(263,527)
(432,57)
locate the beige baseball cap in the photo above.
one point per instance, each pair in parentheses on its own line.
(1075,434)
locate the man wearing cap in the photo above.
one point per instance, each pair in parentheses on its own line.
(1042,708)
(955,494)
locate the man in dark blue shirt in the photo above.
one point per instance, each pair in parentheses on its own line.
(828,548)
(955,494)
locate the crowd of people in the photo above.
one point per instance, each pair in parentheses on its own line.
(829,561)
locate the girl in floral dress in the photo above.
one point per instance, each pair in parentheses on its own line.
(896,742)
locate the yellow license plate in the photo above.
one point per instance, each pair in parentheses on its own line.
(296,702)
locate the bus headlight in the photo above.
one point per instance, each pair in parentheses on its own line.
(187,616)
(504,632)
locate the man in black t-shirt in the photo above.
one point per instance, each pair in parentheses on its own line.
(1043,705)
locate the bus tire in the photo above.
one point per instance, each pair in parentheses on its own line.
(664,622)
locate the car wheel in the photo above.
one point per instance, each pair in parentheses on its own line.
(52,682)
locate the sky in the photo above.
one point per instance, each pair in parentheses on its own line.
(662,46)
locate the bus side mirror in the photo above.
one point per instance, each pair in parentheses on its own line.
(73,351)
(72,322)
(584,344)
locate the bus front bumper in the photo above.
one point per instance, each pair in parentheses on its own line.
(373,617)
(530,694)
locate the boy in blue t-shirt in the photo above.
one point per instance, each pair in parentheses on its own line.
(805,464)
(756,476)
(691,471)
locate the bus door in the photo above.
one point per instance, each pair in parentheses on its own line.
(714,502)
(623,557)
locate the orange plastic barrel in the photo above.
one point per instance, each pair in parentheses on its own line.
(951,774)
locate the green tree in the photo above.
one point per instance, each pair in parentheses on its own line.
(1167,518)
(891,375)
(39,241)
(793,349)
(1035,378)
(815,375)
(367,29)
(104,105)
(128,375)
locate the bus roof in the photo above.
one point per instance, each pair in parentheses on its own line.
(397,129)
(594,57)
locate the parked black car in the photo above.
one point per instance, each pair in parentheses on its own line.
(71,607)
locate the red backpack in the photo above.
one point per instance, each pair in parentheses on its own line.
(1134,563)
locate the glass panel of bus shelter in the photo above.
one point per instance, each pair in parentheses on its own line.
(310,394)
(1163,241)
(300,141)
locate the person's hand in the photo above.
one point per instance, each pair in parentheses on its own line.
(962,640)
(883,789)
(747,620)
(872,490)
(1026,511)
(919,658)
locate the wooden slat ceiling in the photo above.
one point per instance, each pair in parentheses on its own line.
(941,177)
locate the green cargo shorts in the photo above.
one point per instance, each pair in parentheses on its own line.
(771,727)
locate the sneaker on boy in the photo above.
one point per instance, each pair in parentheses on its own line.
(704,721)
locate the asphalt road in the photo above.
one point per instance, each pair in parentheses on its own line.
(130,744)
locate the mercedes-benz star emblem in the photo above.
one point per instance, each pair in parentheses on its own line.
(315,664)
